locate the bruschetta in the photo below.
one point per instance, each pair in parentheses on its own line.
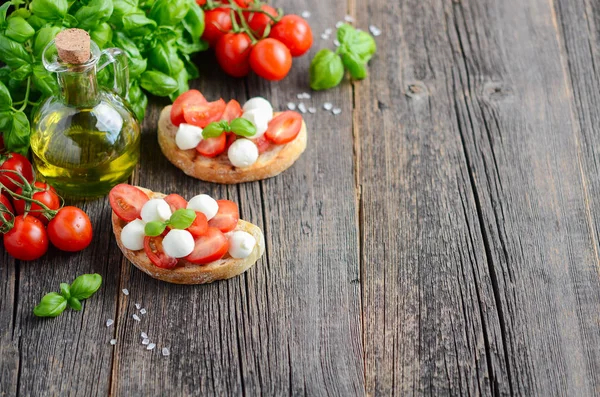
(181,242)
(226,143)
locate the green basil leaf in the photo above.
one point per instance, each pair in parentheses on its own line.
(158,83)
(242,127)
(102,34)
(85,285)
(137,64)
(51,305)
(120,9)
(355,65)
(194,20)
(357,42)
(5,74)
(49,9)
(21,73)
(43,37)
(20,13)
(17,139)
(44,81)
(182,85)
(138,24)
(182,219)
(12,53)
(5,98)
(139,107)
(6,117)
(65,290)
(189,45)
(345,33)
(70,21)
(74,303)
(190,67)
(169,12)
(326,70)
(36,22)
(213,130)
(94,13)
(19,30)
(163,58)
(154,228)
(3,11)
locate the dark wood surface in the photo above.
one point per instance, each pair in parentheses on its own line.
(438,237)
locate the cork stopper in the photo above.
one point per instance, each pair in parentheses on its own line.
(73,46)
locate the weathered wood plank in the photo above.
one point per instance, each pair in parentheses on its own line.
(9,336)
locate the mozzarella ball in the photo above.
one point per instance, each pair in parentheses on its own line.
(205,204)
(241,244)
(178,243)
(242,153)
(188,136)
(156,210)
(259,103)
(260,118)
(132,235)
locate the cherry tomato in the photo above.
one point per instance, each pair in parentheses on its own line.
(70,230)
(271,59)
(233,54)
(262,143)
(295,33)
(47,196)
(127,201)
(18,163)
(200,225)
(231,137)
(284,128)
(227,217)
(209,248)
(176,202)
(203,114)
(233,110)
(218,23)
(6,216)
(201,2)
(27,240)
(258,21)
(191,97)
(154,251)
(212,147)
(244,3)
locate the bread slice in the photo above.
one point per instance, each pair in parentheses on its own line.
(190,273)
(275,160)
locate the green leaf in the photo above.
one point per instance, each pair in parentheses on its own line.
(182,85)
(138,101)
(158,83)
(326,70)
(190,67)
(20,13)
(85,285)
(138,24)
(357,42)
(12,53)
(345,33)
(163,57)
(44,81)
(137,64)
(49,9)
(51,305)
(65,290)
(6,117)
(5,98)
(36,22)
(3,11)
(213,130)
(355,65)
(43,37)
(17,140)
(21,73)
(182,219)
(94,13)
(242,127)
(74,303)
(19,30)
(120,9)
(169,12)
(154,228)
(194,20)
(70,21)
(102,34)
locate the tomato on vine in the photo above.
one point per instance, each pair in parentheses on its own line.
(271,59)
(258,21)
(42,193)
(295,33)
(12,164)
(233,54)
(27,240)
(217,22)
(70,230)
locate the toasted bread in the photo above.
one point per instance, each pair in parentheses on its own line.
(190,273)
(275,160)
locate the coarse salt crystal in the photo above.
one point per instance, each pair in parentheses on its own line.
(375,31)
(339,24)
(325,36)
(144,335)
(165,351)
(109,322)
(305,14)
(306,95)
(145,341)
(327,106)
(302,107)
(328,31)
(336,111)
(143,311)
(137,306)
(113,342)
(151,346)
(348,18)
(136,317)
(291,106)
(125,291)
(312,110)
(336,42)
(300,96)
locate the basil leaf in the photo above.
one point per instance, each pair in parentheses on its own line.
(17,139)
(182,85)
(70,21)
(74,303)
(356,67)
(357,42)
(20,13)
(169,12)
(194,20)
(137,24)
(5,74)
(19,30)
(36,22)
(138,101)
(102,34)
(158,83)
(345,33)
(154,228)
(120,9)
(43,37)
(5,98)
(51,305)
(190,67)
(188,44)
(21,73)
(3,11)
(242,127)
(12,53)
(163,57)
(326,70)
(94,13)
(49,9)
(5,120)
(137,64)
(182,219)
(44,81)
(213,130)
(65,290)
(85,285)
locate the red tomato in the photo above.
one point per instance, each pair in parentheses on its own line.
(127,201)
(201,2)
(44,194)
(295,33)
(233,54)
(244,3)
(262,143)
(233,110)
(18,163)
(212,147)
(218,23)
(284,128)
(209,248)
(176,202)
(227,217)
(27,240)
(271,59)
(200,225)
(203,114)
(4,200)
(191,97)
(231,137)
(70,230)
(258,21)
(154,251)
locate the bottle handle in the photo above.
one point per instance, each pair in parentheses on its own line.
(118,59)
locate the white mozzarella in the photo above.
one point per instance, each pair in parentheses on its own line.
(242,153)
(132,235)
(178,243)
(188,136)
(156,210)
(260,118)
(205,204)
(259,103)
(241,244)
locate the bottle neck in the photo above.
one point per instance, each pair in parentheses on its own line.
(79,88)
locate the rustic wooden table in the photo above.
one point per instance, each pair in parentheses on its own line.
(439,236)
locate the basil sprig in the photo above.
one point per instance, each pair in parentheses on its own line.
(181,219)
(355,51)
(53,303)
(239,126)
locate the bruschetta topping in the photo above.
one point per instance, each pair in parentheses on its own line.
(241,244)
(242,153)
(205,204)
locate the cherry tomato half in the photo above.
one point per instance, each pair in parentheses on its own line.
(271,59)
(27,240)
(154,251)
(5,216)
(218,23)
(212,147)
(176,202)
(258,21)
(45,194)
(233,110)
(191,97)
(127,201)
(284,128)
(18,163)
(295,33)
(200,225)
(70,230)
(210,247)
(203,114)
(227,217)
(233,54)
(262,143)
(231,137)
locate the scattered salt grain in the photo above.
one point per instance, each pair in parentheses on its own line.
(327,106)
(339,24)
(375,31)
(291,106)
(325,36)
(328,31)
(336,42)
(348,18)
(113,342)
(151,346)
(109,322)
(305,14)
(143,311)
(302,107)
(300,96)
(145,341)
(312,110)
(165,351)
(306,95)
(144,335)
(125,291)
(336,111)
(137,306)
(136,317)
